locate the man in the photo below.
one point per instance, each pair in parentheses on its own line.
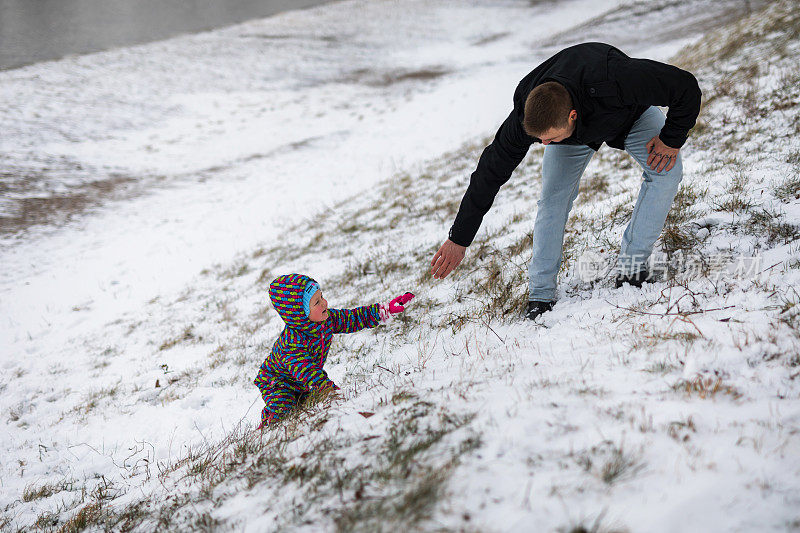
(581,97)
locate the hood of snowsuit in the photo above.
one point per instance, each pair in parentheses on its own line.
(286,294)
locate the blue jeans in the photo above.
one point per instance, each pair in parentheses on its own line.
(562,168)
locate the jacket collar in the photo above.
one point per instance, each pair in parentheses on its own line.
(577,104)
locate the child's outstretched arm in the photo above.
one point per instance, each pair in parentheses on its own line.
(352,320)
(369,316)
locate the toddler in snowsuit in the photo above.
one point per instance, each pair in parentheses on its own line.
(294,367)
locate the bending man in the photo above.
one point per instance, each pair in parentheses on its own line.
(575,101)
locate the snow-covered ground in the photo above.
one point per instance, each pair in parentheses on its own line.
(337,142)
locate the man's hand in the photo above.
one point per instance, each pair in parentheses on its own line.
(446,259)
(661,157)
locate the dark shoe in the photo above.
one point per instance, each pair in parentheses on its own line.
(634,280)
(537,308)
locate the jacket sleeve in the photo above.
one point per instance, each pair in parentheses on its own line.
(304,370)
(495,166)
(646,82)
(352,320)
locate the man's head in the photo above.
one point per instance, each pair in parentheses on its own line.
(549,115)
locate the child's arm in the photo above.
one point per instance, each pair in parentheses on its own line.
(369,316)
(352,320)
(304,369)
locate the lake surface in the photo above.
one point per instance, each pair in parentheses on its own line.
(41,30)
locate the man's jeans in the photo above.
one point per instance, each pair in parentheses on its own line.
(562,168)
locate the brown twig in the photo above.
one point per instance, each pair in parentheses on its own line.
(683,313)
(382,368)
(486,323)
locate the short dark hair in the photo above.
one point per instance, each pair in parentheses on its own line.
(548,106)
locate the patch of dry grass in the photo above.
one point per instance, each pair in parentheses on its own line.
(706,387)
(610,462)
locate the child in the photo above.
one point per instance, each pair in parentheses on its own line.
(294,367)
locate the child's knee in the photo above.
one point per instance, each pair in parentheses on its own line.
(280,402)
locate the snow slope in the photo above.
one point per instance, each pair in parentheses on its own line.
(671,408)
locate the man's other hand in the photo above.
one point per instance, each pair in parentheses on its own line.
(446,259)
(661,157)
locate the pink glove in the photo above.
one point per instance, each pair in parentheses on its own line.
(395,306)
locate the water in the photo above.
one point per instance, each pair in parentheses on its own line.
(41,30)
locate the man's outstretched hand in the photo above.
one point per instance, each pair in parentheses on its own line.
(661,157)
(446,259)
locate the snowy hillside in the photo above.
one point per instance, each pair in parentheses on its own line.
(671,408)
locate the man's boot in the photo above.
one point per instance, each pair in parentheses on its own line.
(634,280)
(537,308)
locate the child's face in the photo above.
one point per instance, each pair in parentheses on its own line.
(318,308)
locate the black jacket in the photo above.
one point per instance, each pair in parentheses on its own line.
(609,91)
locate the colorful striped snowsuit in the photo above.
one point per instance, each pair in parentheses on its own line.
(294,367)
